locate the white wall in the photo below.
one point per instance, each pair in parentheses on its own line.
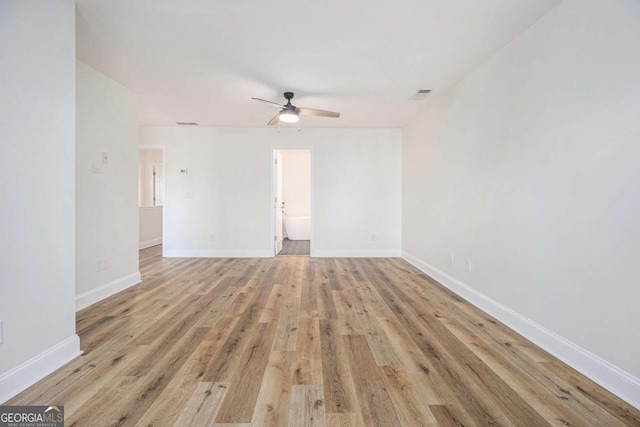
(150,224)
(296,182)
(106,202)
(529,167)
(37,113)
(223,206)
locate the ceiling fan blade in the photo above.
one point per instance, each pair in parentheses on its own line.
(314,112)
(269,102)
(274,120)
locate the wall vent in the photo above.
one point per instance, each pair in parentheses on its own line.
(420,94)
(187,123)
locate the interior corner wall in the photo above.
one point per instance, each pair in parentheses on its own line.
(37,254)
(529,168)
(107,199)
(222,206)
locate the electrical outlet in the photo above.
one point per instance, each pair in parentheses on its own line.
(96,168)
(469,265)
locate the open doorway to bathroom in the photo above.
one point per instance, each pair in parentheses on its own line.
(292,208)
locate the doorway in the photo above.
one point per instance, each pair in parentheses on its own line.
(151,195)
(292,202)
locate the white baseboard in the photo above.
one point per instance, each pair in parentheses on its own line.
(30,372)
(617,381)
(240,253)
(217,253)
(364,253)
(87,298)
(149,243)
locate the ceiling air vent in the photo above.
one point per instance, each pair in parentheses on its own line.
(421,94)
(187,123)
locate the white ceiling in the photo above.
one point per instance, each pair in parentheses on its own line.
(203,60)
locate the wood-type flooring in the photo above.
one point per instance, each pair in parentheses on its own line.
(299,341)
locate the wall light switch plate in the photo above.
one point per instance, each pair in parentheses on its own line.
(105,158)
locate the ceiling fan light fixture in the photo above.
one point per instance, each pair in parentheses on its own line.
(289,113)
(288,116)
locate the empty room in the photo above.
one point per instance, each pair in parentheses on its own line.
(330,213)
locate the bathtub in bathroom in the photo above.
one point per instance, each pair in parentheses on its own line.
(297,227)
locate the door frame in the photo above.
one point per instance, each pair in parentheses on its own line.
(152,167)
(278,213)
(164,178)
(272,228)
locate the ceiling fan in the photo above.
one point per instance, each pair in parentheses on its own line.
(289,113)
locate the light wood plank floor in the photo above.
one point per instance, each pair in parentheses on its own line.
(301,341)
